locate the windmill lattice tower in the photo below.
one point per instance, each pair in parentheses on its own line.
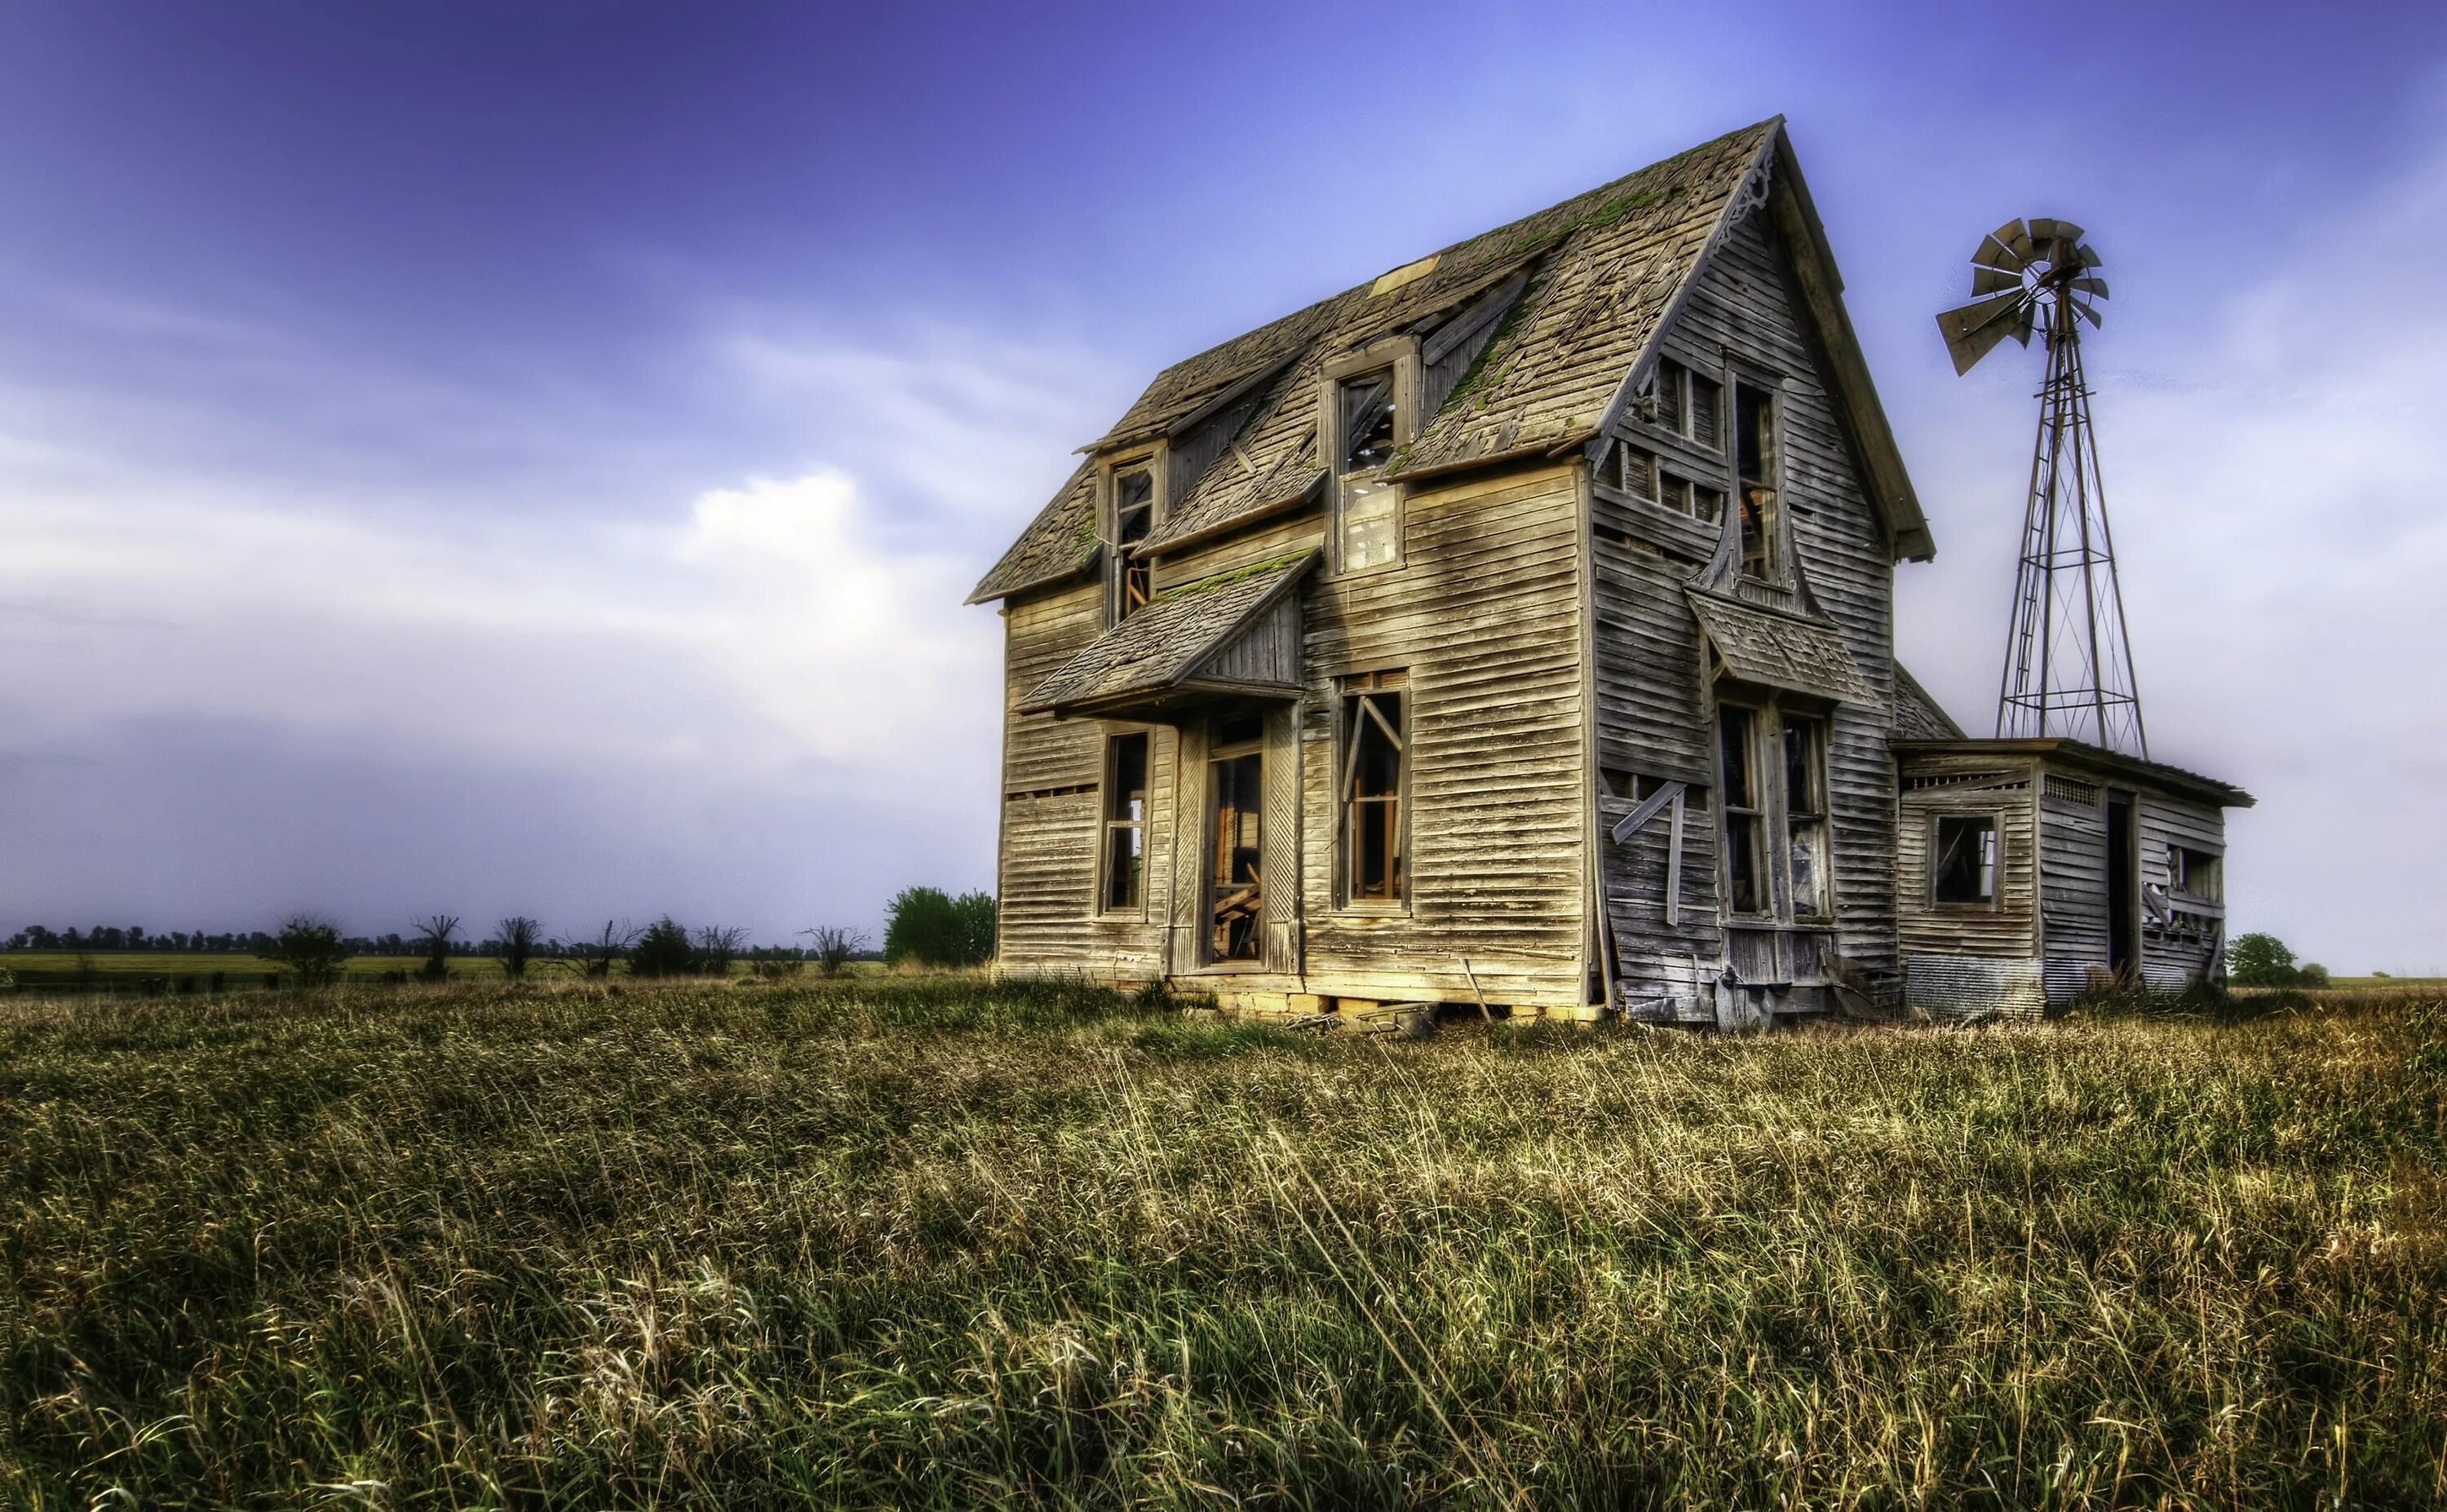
(2068,665)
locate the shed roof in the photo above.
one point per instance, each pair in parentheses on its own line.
(2097,758)
(1601,274)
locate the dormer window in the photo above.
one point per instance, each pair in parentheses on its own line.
(1367,508)
(1130,579)
(1755,479)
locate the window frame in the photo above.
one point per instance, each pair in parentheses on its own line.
(1772,515)
(2179,875)
(1217,751)
(1106,791)
(1349,690)
(1994,903)
(1770,810)
(1121,565)
(1399,356)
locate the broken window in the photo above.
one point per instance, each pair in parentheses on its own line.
(1374,754)
(1125,802)
(2195,875)
(1963,869)
(1133,517)
(1755,478)
(1683,497)
(1745,861)
(1365,503)
(1686,402)
(1635,472)
(1805,814)
(1236,780)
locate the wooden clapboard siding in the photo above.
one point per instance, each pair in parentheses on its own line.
(2165,820)
(2072,886)
(1652,708)
(1053,811)
(2006,788)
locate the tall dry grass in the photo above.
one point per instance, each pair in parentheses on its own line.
(937,1243)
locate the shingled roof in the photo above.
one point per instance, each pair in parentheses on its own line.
(1597,275)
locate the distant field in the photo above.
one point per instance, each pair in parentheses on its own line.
(126,970)
(941,1243)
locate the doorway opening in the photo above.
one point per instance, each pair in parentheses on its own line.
(1236,783)
(2123,901)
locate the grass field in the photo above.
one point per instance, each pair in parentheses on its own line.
(937,1244)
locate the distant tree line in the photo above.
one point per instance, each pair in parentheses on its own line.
(926,926)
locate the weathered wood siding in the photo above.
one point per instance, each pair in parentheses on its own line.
(2072,884)
(1957,959)
(1053,810)
(2171,957)
(1654,714)
(1483,614)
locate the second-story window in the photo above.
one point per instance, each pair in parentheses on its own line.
(1686,402)
(1133,577)
(1755,479)
(1367,515)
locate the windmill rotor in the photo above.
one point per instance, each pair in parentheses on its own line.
(2068,665)
(2020,273)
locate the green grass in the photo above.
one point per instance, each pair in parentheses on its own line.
(934,1244)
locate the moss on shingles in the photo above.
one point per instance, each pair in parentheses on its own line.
(1238,575)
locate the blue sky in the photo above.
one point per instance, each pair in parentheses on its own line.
(529,457)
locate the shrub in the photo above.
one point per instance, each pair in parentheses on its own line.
(663,950)
(2259,960)
(926,926)
(310,948)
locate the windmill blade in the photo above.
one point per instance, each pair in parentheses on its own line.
(2022,326)
(2095,288)
(1992,282)
(2087,257)
(1974,331)
(2086,312)
(1997,248)
(2046,229)
(2020,244)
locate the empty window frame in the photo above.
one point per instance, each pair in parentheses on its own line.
(1755,479)
(1131,577)
(1124,823)
(1688,403)
(2194,874)
(1375,763)
(1778,855)
(1634,471)
(1804,743)
(1683,497)
(1962,859)
(1746,890)
(1367,508)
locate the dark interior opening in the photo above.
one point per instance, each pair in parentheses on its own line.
(2121,900)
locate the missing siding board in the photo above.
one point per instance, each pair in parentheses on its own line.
(1924,782)
(1026,795)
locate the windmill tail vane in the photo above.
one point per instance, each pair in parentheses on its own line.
(2068,667)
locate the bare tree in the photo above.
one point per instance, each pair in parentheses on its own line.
(435,932)
(518,934)
(834,946)
(600,953)
(716,946)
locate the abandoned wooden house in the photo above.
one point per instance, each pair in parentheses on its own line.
(1515,629)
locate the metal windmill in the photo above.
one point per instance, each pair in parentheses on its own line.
(2068,666)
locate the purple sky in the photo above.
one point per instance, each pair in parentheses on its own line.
(529,457)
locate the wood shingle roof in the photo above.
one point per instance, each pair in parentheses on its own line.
(1601,272)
